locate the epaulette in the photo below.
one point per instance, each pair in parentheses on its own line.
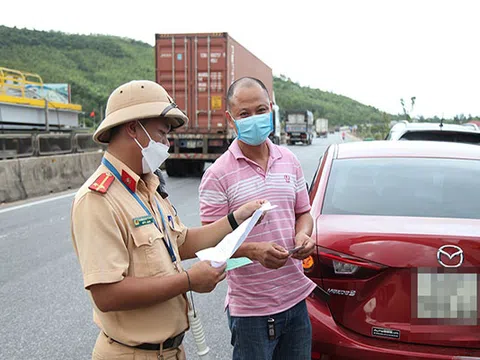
(102,183)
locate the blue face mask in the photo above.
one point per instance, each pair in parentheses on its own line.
(254,130)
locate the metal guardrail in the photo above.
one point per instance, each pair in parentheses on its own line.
(13,82)
(16,146)
(54,144)
(84,143)
(13,146)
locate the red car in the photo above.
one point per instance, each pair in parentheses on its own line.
(397,228)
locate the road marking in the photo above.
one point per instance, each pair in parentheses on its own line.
(37,202)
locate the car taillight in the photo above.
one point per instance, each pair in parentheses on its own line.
(344,268)
(308,263)
(330,264)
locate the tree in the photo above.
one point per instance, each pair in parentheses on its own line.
(405,112)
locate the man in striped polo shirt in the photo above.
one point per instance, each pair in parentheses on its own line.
(265,302)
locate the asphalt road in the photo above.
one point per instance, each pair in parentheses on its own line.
(45,312)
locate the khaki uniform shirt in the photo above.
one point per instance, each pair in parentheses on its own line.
(112,241)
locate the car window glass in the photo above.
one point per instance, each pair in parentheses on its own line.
(404,187)
(450,136)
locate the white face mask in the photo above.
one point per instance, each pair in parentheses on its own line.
(154,154)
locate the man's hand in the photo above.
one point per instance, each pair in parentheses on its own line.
(247,210)
(270,255)
(302,239)
(204,277)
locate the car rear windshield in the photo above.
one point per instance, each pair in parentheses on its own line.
(404,187)
(449,136)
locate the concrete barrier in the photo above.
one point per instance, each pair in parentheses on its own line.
(11,187)
(89,162)
(38,176)
(50,174)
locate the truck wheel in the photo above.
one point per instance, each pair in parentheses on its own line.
(195,167)
(175,168)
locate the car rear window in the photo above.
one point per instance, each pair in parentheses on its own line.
(449,136)
(404,187)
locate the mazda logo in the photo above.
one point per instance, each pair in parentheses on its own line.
(451,252)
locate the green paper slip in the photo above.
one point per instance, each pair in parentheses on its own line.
(237,262)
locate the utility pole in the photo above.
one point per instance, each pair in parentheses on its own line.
(47,126)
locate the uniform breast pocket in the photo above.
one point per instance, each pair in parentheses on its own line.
(149,253)
(175,230)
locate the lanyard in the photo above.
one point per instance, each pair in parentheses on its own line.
(168,244)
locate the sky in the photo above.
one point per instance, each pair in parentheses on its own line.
(373,51)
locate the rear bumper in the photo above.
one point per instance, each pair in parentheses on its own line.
(201,146)
(333,342)
(297,138)
(194,156)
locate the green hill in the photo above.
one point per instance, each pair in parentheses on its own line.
(95,64)
(340,110)
(92,64)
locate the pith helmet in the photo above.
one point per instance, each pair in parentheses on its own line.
(135,100)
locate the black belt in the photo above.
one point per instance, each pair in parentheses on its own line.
(171,343)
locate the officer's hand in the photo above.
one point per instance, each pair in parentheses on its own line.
(204,277)
(302,239)
(247,210)
(271,255)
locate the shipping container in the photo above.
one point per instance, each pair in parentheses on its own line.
(196,70)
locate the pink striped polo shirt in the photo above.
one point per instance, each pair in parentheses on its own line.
(230,182)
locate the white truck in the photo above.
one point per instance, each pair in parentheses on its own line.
(321,127)
(299,127)
(276,133)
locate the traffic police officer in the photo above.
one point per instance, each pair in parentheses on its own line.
(130,241)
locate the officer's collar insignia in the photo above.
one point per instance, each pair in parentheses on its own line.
(128,180)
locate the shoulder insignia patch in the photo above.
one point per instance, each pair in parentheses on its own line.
(102,183)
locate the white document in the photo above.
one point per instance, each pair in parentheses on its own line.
(230,243)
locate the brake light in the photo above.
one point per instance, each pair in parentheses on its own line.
(330,264)
(344,268)
(348,262)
